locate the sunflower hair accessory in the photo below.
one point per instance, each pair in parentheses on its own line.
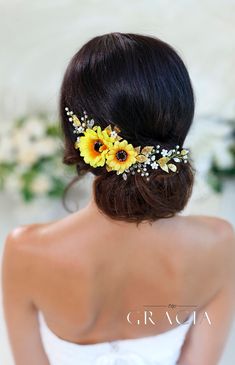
(107,148)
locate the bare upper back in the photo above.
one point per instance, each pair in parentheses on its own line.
(87,272)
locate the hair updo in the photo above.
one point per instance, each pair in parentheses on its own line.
(140,84)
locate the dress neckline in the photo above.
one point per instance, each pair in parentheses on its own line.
(183,327)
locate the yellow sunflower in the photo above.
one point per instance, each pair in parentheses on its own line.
(121,156)
(94,145)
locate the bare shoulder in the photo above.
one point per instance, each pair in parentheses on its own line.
(222,239)
(213,232)
(31,236)
(205,254)
(30,251)
(216,224)
(22,238)
(26,246)
(29,243)
(207,230)
(17,249)
(46,242)
(212,245)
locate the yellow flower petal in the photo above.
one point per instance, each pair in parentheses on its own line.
(117,164)
(93,154)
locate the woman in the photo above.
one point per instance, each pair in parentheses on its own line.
(120,281)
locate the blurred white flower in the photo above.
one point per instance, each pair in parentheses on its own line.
(28,142)
(34,127)
(28,151)
(6,149)
(27,155)
(41,184)
(209,138)
(18,138)
(206,132)
(46,146)
(14,184)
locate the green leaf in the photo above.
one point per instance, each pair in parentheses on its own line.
(215,181)
(57,189)
(27,194)
(53,130)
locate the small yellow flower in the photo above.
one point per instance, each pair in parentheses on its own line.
(94,145)
(121,156)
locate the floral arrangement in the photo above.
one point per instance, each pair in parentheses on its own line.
(107,148)
(212,142)
(30,159)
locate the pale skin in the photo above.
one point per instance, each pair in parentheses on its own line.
(87,271)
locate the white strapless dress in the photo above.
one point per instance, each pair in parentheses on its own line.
(162,349)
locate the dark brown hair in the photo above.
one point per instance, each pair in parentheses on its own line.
(140,84)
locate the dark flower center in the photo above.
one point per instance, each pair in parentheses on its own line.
(121,155)
(97,146)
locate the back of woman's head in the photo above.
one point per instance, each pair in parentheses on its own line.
(141,85)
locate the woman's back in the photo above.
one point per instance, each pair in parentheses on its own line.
(89,273)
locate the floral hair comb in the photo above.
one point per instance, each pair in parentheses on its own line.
(107,148)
